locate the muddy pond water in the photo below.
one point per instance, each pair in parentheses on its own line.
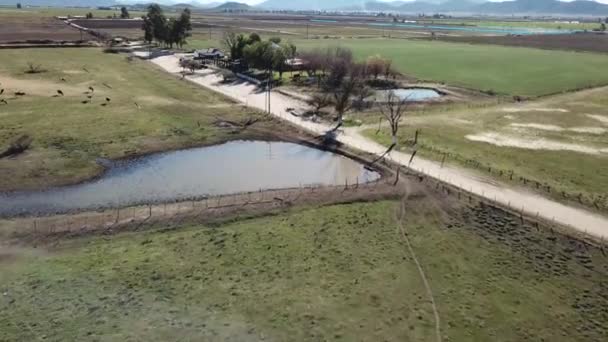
(231,167)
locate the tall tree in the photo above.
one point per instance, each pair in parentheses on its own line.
(124,13)
(234,43)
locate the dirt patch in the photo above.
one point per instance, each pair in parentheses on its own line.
(555,128)
(19,28)
(529,109)
(37,87)
(154,100)
(73,72)
(601,118)
(504,140)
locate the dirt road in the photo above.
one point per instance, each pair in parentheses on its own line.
(519,199)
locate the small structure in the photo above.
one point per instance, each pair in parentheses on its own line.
(295,64)
(210,53)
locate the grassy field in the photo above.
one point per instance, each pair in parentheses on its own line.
(505,70)
(341,272)
(576,121)
(524,23)
(148,110)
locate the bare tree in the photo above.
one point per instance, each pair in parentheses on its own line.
(375,65)
(392,109)
(344,93)
(318,101)
(362,93)
(388,63)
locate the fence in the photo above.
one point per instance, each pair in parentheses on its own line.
(218,207)
(202,209)
(599,202)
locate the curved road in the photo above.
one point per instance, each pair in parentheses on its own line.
(519,199)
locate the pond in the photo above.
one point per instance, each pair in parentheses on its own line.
(232,167)
(409,94)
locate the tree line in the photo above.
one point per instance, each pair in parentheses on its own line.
(168,32)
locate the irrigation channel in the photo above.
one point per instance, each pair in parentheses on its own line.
(232,167)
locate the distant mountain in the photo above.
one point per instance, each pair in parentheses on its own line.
(507,8)
(59,3)
(232,6)
(579,7)
(544,6)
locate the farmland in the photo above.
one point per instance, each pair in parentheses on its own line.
(504,70)
(591,42)
(296,276)
(542,141)
(16,27)
(147,111)
(405,258)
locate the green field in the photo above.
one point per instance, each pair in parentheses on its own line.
(577,120)
(504,70)
(341,272)
(523,23)
(149,110)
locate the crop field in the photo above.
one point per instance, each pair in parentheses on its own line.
(133,109)
(560,142)
(591,42)
(16,27)
(336,272)
(504,70)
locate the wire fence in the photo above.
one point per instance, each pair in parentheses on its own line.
(599,202)
(222,206)
(134,217)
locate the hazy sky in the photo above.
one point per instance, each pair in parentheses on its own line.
(251,2)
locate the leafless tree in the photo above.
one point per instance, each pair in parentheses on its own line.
(318,101)
(362,94)
(344,92)
(388,70)
(392,109)
(375,66)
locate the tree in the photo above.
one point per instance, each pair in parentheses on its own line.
(174,31)
(276,40)
(254,38)
(603,27)
(343,93)
(318,101)
(89,15)
(124,14)
(234,43)
(19,5)
(279,59)
(392,110)
(375,65)
(388,68)
(148,28)
(259,55)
